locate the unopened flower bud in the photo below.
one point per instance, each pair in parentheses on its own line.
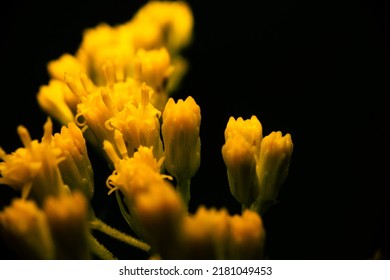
(272,168)
(67,216)
(26,229)
(247,236)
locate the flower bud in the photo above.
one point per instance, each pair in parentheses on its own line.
(240,152)
(272,168)
(26,230)
(246,237)
(180,131)
(240,160)
(204,234)
(33,170)
(76,169)
(67,216)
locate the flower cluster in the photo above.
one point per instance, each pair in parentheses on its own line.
(116,94)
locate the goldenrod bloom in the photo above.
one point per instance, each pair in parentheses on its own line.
(103,44)
(139,125)
(240,153)
(66,63)
(153,204)
(247,236)
(26,230)
(273,165)
(240,160)
(67,216)
(154,68)
(52,99)
(180,131)
(159,211)
(174,19)
(204,234)
(33,170)
(76,169)
(250,129)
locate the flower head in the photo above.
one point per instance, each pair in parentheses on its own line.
(240,160)
(33,170)
(180,131)
(204,234)
(76,169)
(67,216)
(247,236)
(26,229)
(273,165)
(139,125)
(240,153)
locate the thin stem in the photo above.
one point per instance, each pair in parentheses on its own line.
(99,249)
(183,187)
(99,225)
(123,210)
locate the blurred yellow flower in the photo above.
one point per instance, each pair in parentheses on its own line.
(26,229)
(33,170)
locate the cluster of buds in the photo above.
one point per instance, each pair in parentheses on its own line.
(114,93)
(50,218)
(256,166)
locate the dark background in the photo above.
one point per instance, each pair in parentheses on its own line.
(319,71)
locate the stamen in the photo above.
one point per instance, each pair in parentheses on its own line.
(24,136)
(109,73)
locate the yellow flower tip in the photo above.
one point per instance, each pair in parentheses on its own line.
(240,160)
(247,236)
(153,67)
(26,229)
(205,234)
(180,131)
(76,169)
(159,212)
(66,63)
(273,165)
(251,129)
(173,18)
(67,216)
(34,170)
(57,101)
(24,136)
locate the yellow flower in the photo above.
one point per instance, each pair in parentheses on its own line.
(180,131)
(76,169)
(247,236)
(159,211)
(26,230)
(139,125)
(174,19)
(33,170)
(204,234)
(52,98)
(66,63)
(103,44)
(154,206)
(154,68)
(240,160)
(251,129)
(273,165)
(240,153)
(133,174)
(67,216)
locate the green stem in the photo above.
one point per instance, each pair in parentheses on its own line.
(99,249)
(99,225)
(183,187)
(124,213)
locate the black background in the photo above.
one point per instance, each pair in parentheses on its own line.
(319,71)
